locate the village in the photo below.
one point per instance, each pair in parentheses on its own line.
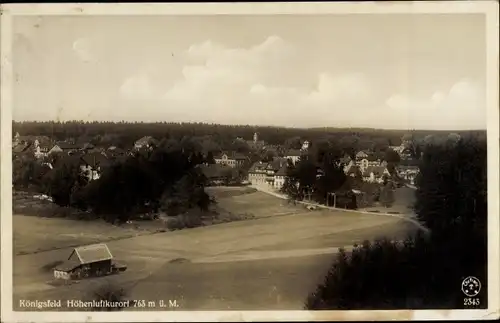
(264,166)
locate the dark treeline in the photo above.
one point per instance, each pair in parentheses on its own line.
(425,271)
(125,134)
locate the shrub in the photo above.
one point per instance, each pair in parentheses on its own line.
(109,292)
(184,221)
(391,275)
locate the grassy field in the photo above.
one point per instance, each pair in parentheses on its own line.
(197,265)
(219,192)
(35,234)
(256,205)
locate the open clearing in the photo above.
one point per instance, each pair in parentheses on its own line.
(35,234)
(256,205)
(271,262)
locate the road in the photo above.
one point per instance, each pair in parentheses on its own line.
(268,263)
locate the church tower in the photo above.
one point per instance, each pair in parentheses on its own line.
(255,137)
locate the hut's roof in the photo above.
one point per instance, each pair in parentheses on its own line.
(92,253)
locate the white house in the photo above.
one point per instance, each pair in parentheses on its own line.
(257,173)
(272,173)
(305,145)
(376,174)
(280,176)
(232,159)
(408,173)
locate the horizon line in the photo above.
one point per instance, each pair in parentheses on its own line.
(242,125)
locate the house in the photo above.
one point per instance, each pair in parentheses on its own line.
(365,159)
(146,142)
(305,145)
(92,165)
(352,170)
(257,173)
(347,162)
(272,173)
(363,154)
(273,168)
(280,176)
(407,173)
(64,147)
(113,152)
(216,174)
(294,155)
(232,159)
(37,145)
(18,139)
(20,148)
(87,146)
(375,174)
(399,149)
(276,150)
(41,146)
(85,261)
(256,144)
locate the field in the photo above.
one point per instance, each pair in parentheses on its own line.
(253,205)
(404,199)
(278,256)
(36,234)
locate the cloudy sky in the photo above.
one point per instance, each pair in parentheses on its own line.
(382,71)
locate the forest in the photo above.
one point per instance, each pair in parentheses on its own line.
(124,134)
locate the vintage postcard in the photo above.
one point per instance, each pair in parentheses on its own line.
(249,161)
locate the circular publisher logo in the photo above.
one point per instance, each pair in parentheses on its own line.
(471,286)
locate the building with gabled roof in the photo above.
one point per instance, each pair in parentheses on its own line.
(216,174)
(294,155)
(257,173)
(352,170)
(91,253)
(271,173)
(407,172)
(64,147)
(365,159)
(256,144)
(85,261)
(92,164)
(280,176)
(146,142)
(376,174)
(232,159)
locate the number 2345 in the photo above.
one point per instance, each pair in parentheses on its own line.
(471,301)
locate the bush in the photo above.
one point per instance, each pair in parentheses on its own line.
(109,292)
(391,275)
(184,221)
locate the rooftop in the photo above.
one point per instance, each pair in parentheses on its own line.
(91,253)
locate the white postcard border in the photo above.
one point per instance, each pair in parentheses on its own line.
(489,8)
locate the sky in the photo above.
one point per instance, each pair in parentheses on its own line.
(395,71)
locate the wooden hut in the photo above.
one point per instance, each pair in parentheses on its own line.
(86,261)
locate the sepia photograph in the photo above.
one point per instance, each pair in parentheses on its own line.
(176,159)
